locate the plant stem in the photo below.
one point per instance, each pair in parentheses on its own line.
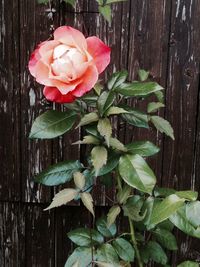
(137,253)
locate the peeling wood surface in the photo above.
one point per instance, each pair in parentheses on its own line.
(159,35)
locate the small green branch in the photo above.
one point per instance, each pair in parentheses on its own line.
(137,253)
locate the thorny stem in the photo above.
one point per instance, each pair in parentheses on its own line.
(137,253)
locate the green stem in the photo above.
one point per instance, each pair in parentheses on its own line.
(137,253)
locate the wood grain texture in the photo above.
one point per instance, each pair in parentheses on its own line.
(159,35)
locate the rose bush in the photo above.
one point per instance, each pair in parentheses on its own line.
(69,65)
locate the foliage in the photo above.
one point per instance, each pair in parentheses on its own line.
(152,212)
(103,5)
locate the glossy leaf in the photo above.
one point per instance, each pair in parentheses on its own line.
(165,238)
(135,172)
(88,140)
(107,253)
(133,207)
(84,237)
(117,79)
(124,249)
(105,100)
(59,173)
(143,148)
(79,180)
(154,106)
(105,129)
(116,144)
(179,219)
(123,194)
(165,208)
(87,201)
(104,229)
(143,75)
(106,12)
(112,214)
(111,164)
(156,253)
(63,197)
(138,88)
(88,118)
(81,254)
(135,117)
(163,126)
(115,111)
(99,158)
(52,124)
(193,213)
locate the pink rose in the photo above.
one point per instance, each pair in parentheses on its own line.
(69,65)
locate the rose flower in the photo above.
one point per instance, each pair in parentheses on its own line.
(69,65)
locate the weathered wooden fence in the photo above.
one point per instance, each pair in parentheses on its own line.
(162,36)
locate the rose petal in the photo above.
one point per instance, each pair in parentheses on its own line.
(90,77)
(99,51)
(54,95)
(70,36)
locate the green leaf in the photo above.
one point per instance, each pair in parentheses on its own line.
(114,1)
(165,238)
(59,173)
(179,219)
(117,79)
(81,254)
(116,144)
(85,237)
(162,126)
(165,208)
(88,118)
(92,129)
(105,129)
(98,88)
(105,100)
(87,201)
(136,173)
(148,207)
(116,111)
(123,194)
(89,140)
(188,264)
(71,2)
(112,214)
(104,229)
(99,158)
(160,96)
(138,89)
(79,180)
(143,75)
(135,117)
(189,195)
(106,264)
(133,207)
(52,124)
(156,253)
(154,106)
(111,164)
(106,12)
(143,148)
(107,253)
(124,249)
(193,213)
(165,192)
(62,198)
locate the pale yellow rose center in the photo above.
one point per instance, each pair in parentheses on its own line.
(68,62)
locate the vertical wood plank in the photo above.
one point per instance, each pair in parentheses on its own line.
(12,235)
(9,101)
(182,107)
(40,250)
(37,22)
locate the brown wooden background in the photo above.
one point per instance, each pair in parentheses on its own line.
(160,35)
